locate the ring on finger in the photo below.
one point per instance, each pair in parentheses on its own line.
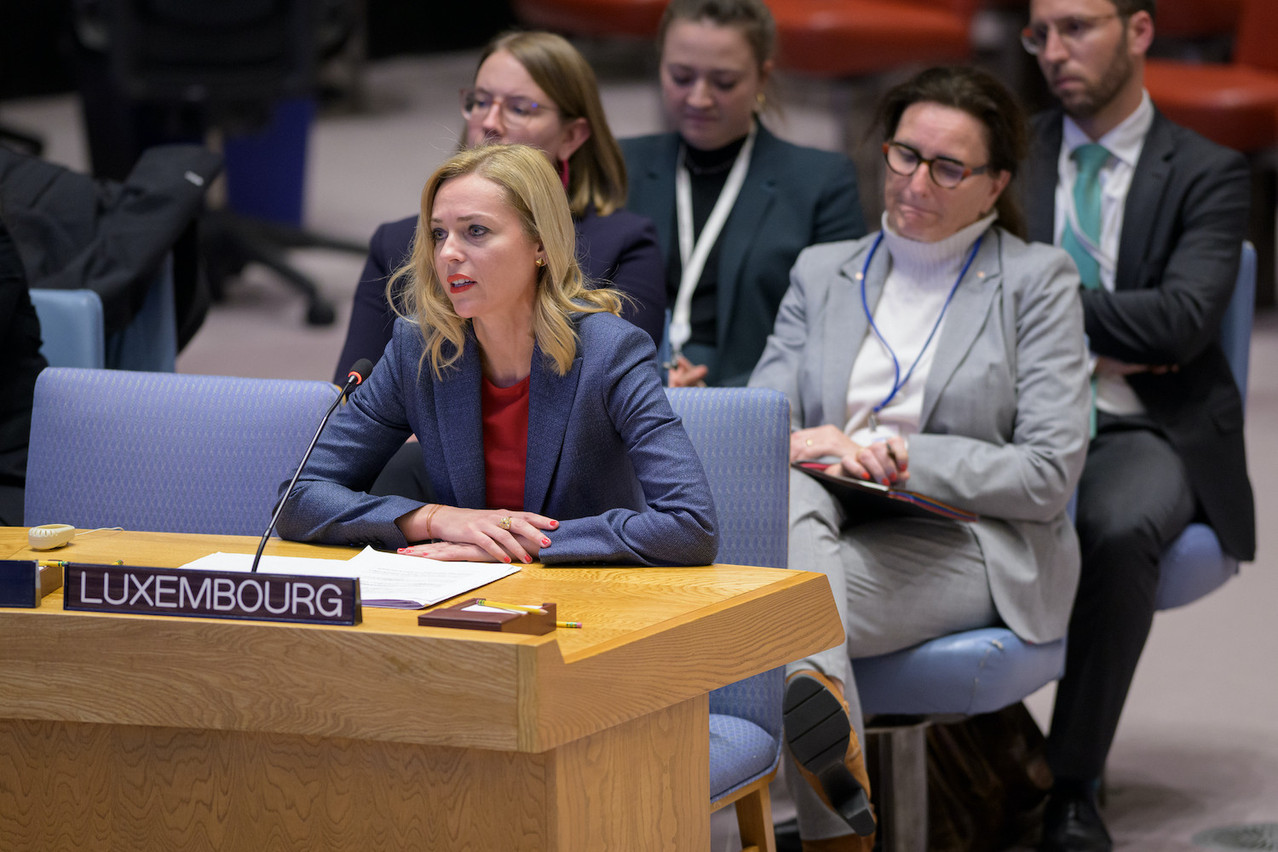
(504,523)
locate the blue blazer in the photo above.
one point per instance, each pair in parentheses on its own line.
(620,248)
(607,457)
(793,197)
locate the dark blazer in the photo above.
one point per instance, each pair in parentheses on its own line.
(793,197)
(73,231)
(607,457)
(620,248)
(1183,227)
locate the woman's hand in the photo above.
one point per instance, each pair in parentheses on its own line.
(685,374)
(450,551)
(886,462)
(820,441)
(476,534)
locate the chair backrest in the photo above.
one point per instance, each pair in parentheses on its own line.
(149,341)
(1253,43)
(742,436)
(164,451)
(71,327)
(1235,328)
(236,52)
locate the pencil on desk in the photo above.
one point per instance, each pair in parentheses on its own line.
(568,624)
(515,607)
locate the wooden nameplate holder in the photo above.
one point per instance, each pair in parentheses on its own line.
(534,623)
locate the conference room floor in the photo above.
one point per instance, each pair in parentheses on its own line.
(1197,748)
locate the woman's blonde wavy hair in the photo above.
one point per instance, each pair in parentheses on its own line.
(535,193)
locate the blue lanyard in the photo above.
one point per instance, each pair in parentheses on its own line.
(897,381)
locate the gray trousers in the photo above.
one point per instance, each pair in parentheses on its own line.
(896,582)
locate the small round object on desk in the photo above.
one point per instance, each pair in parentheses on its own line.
(49,536)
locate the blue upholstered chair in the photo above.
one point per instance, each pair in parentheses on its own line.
(70,327)
(165,451)
(980,671)
(1194,564)
(742,438)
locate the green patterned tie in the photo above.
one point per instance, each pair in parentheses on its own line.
(1087,208)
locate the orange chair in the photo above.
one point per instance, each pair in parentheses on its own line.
(1234,104)
(593,18)
(852,38)
(1197,18)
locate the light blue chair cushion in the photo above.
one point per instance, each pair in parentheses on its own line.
(70,327)
(165,451)
(976,671)
(738,749)
(742,436)
(1194,564)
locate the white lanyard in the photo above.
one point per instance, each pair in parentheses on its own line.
(694,255)
(1106,262)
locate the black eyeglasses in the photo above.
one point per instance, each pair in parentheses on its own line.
(946,173)
(516,110)
(1071,30)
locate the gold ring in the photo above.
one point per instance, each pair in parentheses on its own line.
(809,442)
(504,523)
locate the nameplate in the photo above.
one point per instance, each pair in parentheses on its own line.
(211,594)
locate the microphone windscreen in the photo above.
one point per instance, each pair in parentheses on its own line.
(361,370)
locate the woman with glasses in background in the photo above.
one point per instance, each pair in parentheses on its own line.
(943,354)
(733,204)
(531,88)
(534,88)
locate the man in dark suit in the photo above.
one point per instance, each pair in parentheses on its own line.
(1168,213)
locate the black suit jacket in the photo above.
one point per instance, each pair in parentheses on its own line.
(73,231)
(1183,225)
(792,198)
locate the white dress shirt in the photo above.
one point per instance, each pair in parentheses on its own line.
(1124,143)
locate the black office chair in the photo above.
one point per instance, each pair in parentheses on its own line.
(225,65)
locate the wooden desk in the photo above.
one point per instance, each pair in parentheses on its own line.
(135,732)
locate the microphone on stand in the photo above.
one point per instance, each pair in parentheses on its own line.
(353,379)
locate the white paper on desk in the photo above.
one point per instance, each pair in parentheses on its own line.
(385,579)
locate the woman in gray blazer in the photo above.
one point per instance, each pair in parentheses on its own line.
(943,354)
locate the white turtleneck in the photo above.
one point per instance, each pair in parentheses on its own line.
(919,280)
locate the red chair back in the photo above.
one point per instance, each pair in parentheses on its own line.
(1195,18)
(1255,39)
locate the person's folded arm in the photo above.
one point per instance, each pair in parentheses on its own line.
(1173,310)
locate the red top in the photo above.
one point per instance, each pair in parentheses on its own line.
(505,416)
